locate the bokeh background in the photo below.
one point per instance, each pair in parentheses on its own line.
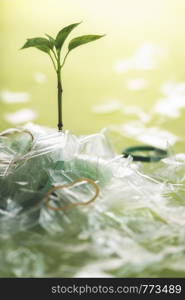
(131,81)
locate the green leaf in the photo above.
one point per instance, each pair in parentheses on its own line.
(63,34)
(52,40)
(40,43)
(81,40)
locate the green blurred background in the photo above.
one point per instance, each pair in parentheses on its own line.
(93,73)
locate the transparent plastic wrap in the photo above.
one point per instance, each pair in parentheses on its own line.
(51,159)
(79,209)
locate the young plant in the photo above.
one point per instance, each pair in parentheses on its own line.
(52,47)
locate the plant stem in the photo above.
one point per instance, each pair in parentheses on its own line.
(60,91)
(54,54)
(64,59)
(53,62)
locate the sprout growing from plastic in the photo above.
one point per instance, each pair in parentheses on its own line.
(53,46)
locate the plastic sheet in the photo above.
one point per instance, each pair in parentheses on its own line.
(134,227)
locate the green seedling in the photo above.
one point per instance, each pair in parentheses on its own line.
(53,46)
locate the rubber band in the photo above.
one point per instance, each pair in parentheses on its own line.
(16,130)
(53,189)
(159,153)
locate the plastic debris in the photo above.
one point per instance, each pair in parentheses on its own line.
(134,227)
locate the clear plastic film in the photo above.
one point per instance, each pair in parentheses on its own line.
(77,208)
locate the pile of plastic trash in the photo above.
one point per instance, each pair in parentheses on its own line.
(72,207)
